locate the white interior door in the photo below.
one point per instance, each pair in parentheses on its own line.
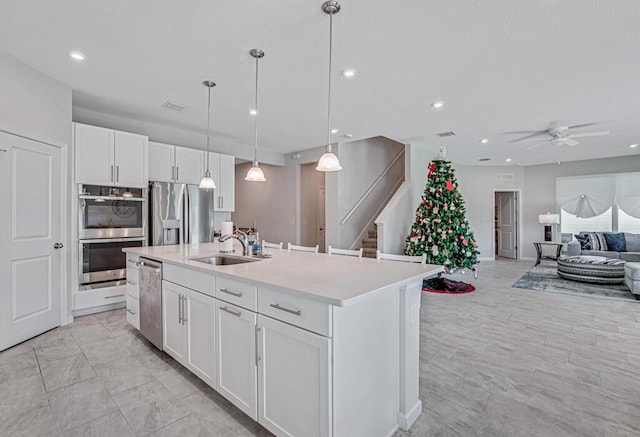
(321,220)
(30,227)
(506,224)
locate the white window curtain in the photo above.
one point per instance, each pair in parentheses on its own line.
(586,196)
(628,193)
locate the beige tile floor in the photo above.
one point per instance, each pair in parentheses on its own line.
(496,362)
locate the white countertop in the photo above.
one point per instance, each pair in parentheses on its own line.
(334,279)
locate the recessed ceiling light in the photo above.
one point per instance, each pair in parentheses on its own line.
(77,56)
(633,146)
(437,105)
(347,135)
(507,160)
(349,72)
(334,131)
(484,140)
(253,112)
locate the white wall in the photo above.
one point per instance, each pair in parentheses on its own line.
(38,106)
(310,180)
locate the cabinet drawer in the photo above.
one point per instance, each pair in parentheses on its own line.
(308,314)
(193,279)
(101,296)
(132,261)
(237,292)
(133,286)
(133,312)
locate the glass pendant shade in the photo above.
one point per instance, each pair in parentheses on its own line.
(329,162)
(206,183)
(255,174)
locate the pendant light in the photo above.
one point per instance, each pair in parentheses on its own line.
(329,161)
(206,183)
(255,173)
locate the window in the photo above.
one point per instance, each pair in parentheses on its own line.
(626,223)
(569,223)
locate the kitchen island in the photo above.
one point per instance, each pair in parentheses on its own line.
(306,344)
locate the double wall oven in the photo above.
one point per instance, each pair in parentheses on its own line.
(110,219)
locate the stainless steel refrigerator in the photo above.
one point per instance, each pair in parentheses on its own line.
(180,214)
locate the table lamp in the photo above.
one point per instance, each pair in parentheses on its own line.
(548,220)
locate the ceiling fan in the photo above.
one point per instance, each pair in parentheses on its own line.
(558,135)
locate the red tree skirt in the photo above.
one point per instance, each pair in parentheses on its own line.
(446,286)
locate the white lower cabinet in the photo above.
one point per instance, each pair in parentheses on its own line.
(236,356)
(189,327)
(294,380)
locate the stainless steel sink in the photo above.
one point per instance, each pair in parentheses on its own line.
(224,260)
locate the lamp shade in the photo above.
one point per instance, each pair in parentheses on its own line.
(255,174)
(549,219)
(328,162)
(206,183)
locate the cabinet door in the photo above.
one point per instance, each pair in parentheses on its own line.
(227,183)
(94,155)
(130,160)
(236,359)
(161,162)
(189,168)
(294,380)
(174,331)
(200,322)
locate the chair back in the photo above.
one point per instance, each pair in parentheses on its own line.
(272,245)
(314,249)
(422,259)
(347,252)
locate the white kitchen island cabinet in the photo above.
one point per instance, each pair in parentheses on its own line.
(302,352)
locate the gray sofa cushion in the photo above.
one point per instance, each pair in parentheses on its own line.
(630,256)
(606,254)
(633,242)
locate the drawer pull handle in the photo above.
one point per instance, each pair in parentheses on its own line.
(288,310)
(131,282)
(227,310)
(131,312)
(232,293)
(114,296)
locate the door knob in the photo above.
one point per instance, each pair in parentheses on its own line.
(58,246)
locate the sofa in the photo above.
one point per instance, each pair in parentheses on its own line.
(617,245)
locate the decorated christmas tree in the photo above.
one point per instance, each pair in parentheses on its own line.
(441,229)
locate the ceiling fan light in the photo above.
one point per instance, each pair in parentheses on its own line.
(255,174)
(329,162)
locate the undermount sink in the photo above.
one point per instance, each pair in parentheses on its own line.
(224,260)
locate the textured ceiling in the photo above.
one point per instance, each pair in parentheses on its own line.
(499,66)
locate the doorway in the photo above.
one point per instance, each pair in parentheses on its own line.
(31,235)
(312,206)
(506,223)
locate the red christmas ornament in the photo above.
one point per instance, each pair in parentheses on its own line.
(449,185)
(432,168)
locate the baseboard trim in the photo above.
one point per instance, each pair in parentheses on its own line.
(98,309)
(406,420)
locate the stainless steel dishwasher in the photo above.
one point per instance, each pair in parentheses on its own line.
(151,301)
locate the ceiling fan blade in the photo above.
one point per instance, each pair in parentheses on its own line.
(533,135)
(536,139)
(537,145)
(575,126)
(589,134)
(526,131)
(569,142)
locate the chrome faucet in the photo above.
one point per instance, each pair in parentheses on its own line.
(243,239)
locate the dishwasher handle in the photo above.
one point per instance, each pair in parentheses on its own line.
(149,265)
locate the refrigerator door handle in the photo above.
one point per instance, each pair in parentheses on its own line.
(187,215)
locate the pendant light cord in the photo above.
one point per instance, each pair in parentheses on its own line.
(329,100)
(208,127)
(255,152)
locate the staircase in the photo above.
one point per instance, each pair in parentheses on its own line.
(370,244)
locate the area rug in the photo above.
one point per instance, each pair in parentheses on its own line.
(446,286)
(544,277)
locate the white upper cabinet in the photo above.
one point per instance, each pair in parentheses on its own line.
(223,172)
(109,157)
(169,163)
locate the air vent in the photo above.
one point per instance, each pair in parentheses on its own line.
(484,159)
(446,134)
(507,177)
(179,107)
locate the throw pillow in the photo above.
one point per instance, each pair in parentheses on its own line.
(597,241)
(615,241)
(583,239)
(633,242)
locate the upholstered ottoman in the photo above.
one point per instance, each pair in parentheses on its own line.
(594,269)
(632,278)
